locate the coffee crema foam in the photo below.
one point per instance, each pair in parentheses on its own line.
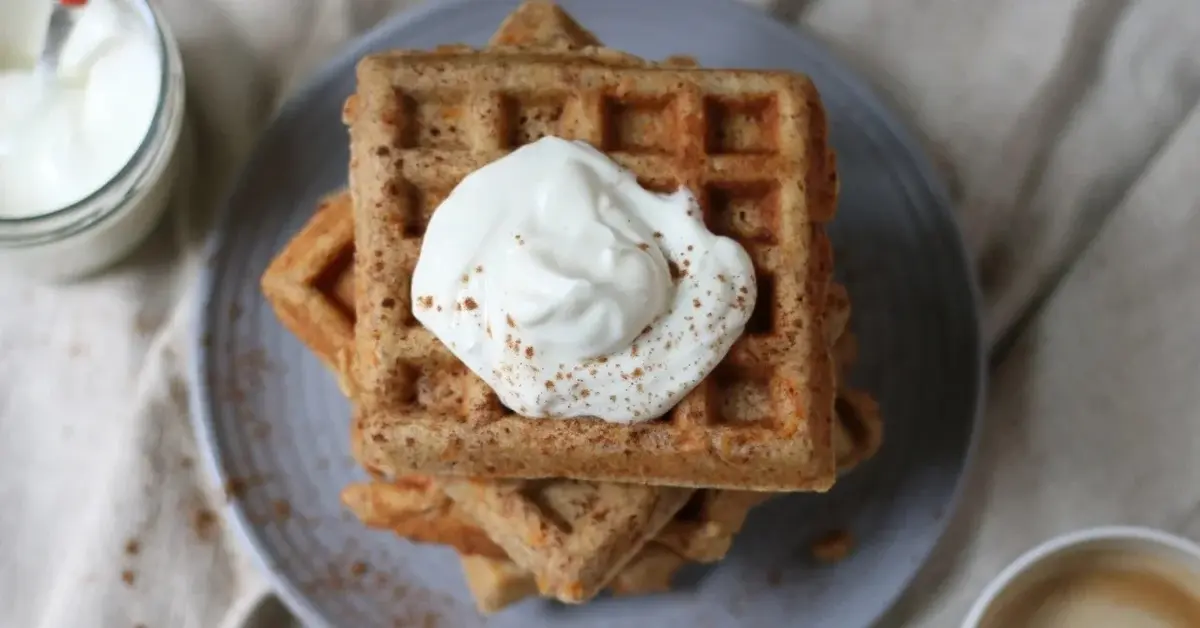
(1101,588)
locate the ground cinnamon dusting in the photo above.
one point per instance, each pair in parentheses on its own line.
(204,524)
(128,577)
(132,547)
(470,304)
(235,488)
(425,302)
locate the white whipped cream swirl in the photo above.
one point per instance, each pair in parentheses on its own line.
(573,291)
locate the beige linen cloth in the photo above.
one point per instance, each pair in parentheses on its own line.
(1068,133)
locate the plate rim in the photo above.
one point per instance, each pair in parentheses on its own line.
(200,392)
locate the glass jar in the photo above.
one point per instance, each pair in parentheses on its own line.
(107,224)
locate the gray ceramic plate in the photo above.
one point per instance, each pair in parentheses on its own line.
(275,427)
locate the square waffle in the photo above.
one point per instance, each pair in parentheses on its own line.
(752,145)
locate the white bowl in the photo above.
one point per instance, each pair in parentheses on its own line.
(1122,539)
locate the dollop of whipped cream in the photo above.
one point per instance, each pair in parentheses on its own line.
(573,291)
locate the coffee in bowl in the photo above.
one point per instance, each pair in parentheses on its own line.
(1110,578)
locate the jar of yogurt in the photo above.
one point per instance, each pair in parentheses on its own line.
(88,152)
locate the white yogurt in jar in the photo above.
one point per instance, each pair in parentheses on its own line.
(90,158)
(65,136)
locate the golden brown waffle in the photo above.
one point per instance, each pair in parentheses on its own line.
(310,285)
(496,584)
(650,571)
(415,508)
(544,26)
(751,144)
(537,525)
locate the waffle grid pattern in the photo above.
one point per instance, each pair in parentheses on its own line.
(751,144)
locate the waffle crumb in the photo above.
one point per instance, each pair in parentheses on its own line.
(235,488)
(833,547)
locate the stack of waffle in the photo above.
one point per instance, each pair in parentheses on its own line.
(568,508)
